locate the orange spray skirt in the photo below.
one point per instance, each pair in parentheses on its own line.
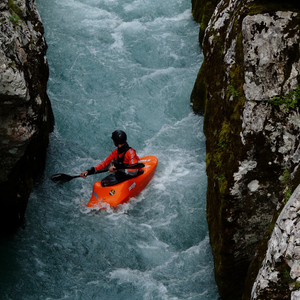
(114,195)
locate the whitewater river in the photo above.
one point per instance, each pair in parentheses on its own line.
(130,65)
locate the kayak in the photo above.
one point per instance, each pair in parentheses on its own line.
(111,196)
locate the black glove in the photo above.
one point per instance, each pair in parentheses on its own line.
(92,170)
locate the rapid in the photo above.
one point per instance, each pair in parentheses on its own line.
(128,65)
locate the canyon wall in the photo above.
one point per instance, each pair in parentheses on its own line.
(26,116)
(248,91)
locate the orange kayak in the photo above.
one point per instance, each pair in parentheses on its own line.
(105,196)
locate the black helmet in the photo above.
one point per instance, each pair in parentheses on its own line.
(119,137)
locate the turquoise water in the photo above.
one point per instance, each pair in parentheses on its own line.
(127,65)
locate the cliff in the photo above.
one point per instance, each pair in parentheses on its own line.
(248,90)
(25,112)
(279,275)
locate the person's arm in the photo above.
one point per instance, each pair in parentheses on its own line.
(130,158)
(101,166)
(107,161)
(88,172)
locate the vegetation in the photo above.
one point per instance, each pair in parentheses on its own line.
(15,20)
(232,90)
(290,101)
(16,13)
(297,285)
(286,278)
(14,8)
(222,144)
(221,178)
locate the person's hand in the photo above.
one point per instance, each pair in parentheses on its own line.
(84,174)
(112,169)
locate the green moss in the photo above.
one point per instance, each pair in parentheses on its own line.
(286,278)
(223,186)
(221,178)
(206,15)
(202,11)
(15,9)
(221,156)
(222,144)
(286,177)
(16,13)
(225,131)
(232,91)
(290,101)
(15,20)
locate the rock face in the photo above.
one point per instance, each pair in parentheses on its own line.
(279,275)
(26,116)
(248,90)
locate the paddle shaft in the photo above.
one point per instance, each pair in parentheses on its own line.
(65,177)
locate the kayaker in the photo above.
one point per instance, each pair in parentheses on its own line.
(123,154)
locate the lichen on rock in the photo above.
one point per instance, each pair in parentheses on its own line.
(266,43)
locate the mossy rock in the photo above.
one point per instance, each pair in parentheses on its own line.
(202,11)
(218,94)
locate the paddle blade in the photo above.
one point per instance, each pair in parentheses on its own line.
(62,177)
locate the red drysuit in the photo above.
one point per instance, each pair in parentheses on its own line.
(129,158)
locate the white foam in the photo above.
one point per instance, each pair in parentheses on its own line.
(143,280)
(127,65)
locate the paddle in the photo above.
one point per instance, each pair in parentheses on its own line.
(65,178)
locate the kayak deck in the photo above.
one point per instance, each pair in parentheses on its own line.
(120,193)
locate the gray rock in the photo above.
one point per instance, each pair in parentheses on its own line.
(26,117)
(251,142)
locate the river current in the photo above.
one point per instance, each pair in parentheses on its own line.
(127,65)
